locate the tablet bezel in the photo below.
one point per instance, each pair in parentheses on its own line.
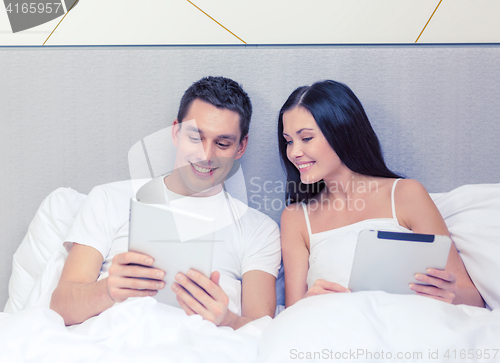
(153,231)
(388,261)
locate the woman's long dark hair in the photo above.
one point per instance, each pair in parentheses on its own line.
(343,121)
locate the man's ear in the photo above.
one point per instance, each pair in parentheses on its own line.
(242,147)
(176,127)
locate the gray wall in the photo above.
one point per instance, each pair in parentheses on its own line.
(69,115)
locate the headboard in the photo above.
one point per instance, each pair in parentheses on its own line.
(70,115)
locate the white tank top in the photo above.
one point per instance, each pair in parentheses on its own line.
(332,252)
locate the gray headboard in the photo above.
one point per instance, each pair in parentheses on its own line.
(69,115)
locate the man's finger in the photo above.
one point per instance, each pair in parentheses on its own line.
(185,307)
(215,277)
(141,271)
(133,257)
(187,297)
(207,285)
(138,284)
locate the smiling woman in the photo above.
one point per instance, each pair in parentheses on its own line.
(326,140)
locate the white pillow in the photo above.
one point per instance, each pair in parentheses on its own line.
(472,214)
(45,236)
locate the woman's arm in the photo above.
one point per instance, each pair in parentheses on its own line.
(295,253)
(416,210)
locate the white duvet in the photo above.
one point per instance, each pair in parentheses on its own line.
(376,326)
(368,326)
(364,326)
(128,332)
(136,328)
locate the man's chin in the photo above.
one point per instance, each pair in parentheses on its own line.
(204,191)
(200,186)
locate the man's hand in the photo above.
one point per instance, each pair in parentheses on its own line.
(321,287)
(131,275)
(197,294)
(442,285)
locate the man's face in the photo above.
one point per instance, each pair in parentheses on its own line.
(208,142)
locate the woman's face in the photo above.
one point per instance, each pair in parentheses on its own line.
(307,148)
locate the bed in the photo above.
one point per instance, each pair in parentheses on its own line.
(92,112)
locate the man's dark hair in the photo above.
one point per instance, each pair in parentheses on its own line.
(222,93)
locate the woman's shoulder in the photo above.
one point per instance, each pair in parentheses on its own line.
(409,189)
(292,211)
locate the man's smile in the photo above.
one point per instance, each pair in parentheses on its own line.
(203,170)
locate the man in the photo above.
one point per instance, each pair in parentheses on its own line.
(210,133)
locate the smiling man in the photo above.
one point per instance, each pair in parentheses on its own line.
(210,133)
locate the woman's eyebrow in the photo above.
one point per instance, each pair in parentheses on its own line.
(298,132)
(303,129)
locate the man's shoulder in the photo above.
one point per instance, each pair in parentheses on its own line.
(123,188)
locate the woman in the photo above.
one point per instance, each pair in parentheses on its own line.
(337,185)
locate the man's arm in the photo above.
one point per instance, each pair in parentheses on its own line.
(79,295)
(206,298)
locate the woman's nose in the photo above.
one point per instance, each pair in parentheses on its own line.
(296,151)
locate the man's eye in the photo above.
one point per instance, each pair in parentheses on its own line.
(222,145)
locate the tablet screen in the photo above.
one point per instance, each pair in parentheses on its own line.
(388,261)
(176,239)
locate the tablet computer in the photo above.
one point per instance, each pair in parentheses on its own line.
(388,261)
(176,239)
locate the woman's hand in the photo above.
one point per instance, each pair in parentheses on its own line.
(442,285)
(321,287)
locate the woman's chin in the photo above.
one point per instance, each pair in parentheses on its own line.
(309,179)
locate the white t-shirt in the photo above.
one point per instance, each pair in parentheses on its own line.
(251,239)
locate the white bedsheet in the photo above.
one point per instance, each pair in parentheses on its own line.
(350,326)
(335,327)
(346,326)
(136,328)
(361,327)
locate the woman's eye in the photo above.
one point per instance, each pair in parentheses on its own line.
(288,142)
(306,139)
(194,139)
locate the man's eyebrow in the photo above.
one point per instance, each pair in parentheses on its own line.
(231,137)
(195,129)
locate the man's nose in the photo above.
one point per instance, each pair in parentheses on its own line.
(208,151)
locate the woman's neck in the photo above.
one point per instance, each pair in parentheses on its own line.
(346,184)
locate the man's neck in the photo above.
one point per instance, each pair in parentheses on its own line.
(174,184)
